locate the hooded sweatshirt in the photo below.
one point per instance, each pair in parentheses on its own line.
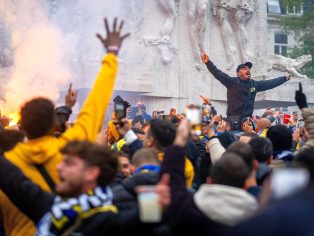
(44,151)
(225,204)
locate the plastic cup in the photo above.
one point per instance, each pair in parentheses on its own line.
(148,202)
(286,118)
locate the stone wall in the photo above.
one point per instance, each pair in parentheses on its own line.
(160,61)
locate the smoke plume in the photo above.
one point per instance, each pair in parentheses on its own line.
(40,65)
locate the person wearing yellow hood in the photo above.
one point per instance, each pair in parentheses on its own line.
(39,156)
(113,135)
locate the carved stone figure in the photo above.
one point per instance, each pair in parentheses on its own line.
(243,14)
(232,16)
(196,13)
(163,41)
(290,65)
(221,10)
(196,10)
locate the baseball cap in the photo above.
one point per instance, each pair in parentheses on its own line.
(248,64)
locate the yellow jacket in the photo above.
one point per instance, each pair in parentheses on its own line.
(45,150)
(188,169)
(118,145)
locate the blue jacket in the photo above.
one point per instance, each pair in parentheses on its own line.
(240,93)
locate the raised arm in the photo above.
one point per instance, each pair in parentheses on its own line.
(213,145)
(28,197)
(223,78)
(92,113)
(308,116)
(182,203)
(271,83)
(131,140)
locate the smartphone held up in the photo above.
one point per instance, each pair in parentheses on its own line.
(194,117)
(120,110)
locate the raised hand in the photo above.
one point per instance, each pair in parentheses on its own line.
(205,100)
(221,126)
(211,131)
(113,39)
(122,126)
(204,57)
(300,98)
(70,97)
(182,133)
(247,126)
(288,76)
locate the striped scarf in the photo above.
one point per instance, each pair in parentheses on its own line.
(66,215)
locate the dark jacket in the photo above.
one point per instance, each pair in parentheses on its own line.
(125,198)
(241,94)
(134,146)
(124,194)
(290,216)
(183,215)
(36,203)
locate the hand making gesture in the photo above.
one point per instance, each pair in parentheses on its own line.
(70,97)
(113,39)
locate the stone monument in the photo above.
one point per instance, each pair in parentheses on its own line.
(160,62)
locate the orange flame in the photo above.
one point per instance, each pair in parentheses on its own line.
(14,118)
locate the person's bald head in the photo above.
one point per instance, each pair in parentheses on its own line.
(262,124)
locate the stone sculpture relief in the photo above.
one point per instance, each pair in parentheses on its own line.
(243,13)
(163,41)
(196,10)
(221,11)
(290,65)
(232,17)
(196,13)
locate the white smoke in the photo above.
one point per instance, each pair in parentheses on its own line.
(39,53)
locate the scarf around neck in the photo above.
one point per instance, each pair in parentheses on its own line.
(67,214)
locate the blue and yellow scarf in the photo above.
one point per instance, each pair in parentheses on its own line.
(66,215)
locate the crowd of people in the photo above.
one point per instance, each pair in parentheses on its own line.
(234,175)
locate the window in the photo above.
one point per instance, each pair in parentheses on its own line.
(295,10)
(281,38)
(276,6)
(281,43)
(273,6)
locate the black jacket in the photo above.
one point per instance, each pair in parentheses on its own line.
(183,215)
(36,203)
(241,94)
(125,198)
(124,194)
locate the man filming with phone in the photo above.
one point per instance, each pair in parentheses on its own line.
(241,90)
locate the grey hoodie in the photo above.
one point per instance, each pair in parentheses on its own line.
(225,204)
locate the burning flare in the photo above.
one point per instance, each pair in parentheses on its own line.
(14,118)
